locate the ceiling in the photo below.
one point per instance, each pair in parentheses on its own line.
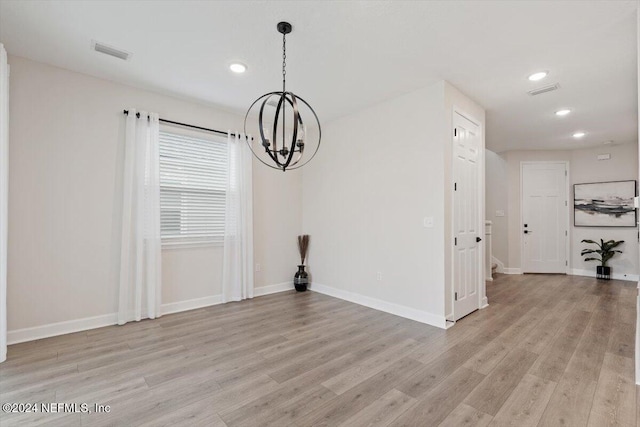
(345,56)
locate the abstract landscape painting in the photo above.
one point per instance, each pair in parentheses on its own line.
(604,204)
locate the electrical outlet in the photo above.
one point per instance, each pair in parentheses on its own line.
(379,276)
(258,267)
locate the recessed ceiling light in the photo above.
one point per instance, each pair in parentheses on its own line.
(538,76)
(238,67)
(562,112)
(579,134)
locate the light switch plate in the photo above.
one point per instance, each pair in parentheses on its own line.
(499,213)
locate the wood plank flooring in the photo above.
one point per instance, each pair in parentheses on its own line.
(550,350)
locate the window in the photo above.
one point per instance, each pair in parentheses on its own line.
(193,173)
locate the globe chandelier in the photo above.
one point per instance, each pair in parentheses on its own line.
(287,141)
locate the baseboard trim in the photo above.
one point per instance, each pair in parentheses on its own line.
(387,307)
(449,324)
(190,304)
(585,273)
(499,264)
(615,276)
(272,289)
(78,325)
(60,328)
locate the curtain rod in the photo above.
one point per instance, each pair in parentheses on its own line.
(126,112)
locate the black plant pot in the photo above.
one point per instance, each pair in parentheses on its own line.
(301,279)
(603,272)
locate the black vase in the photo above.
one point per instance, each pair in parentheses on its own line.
(301,279)
(603,272)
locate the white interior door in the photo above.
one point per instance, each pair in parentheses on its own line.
(468,232)
(544,217)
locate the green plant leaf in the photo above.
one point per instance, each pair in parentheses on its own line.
(605,250)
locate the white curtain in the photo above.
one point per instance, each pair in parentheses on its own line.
(237,267)
(4,195)
(140,258)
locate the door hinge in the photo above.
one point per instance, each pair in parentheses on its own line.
(565,172)
(455,132)
(455,241)
(455,295)
(565,203)
(455,186)
(566,233)
(566,263)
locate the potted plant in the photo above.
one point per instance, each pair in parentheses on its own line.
(301,278)
(606,252)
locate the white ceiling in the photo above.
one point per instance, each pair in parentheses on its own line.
(344,56)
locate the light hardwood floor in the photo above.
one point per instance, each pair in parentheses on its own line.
(548,351)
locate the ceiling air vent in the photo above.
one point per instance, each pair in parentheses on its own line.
(544,89)
(111,51)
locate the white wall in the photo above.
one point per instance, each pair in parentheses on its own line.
(379,173)
(277,222)
(638,177)
(584,167)
(65,200)
(497,200)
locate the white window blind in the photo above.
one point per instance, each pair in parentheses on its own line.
(193,173)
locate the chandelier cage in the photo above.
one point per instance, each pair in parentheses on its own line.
(285,148)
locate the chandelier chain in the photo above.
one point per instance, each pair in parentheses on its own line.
(284,61)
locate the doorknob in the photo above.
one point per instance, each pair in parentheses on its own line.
(527,231)
(478,239)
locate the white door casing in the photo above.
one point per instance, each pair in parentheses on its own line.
(468,231)
(544,216)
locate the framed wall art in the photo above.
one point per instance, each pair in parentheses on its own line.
(604,204)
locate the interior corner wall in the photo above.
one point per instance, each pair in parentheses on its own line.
(497,200)
(65,198)
(379,173)
(583,168)
(277,222)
